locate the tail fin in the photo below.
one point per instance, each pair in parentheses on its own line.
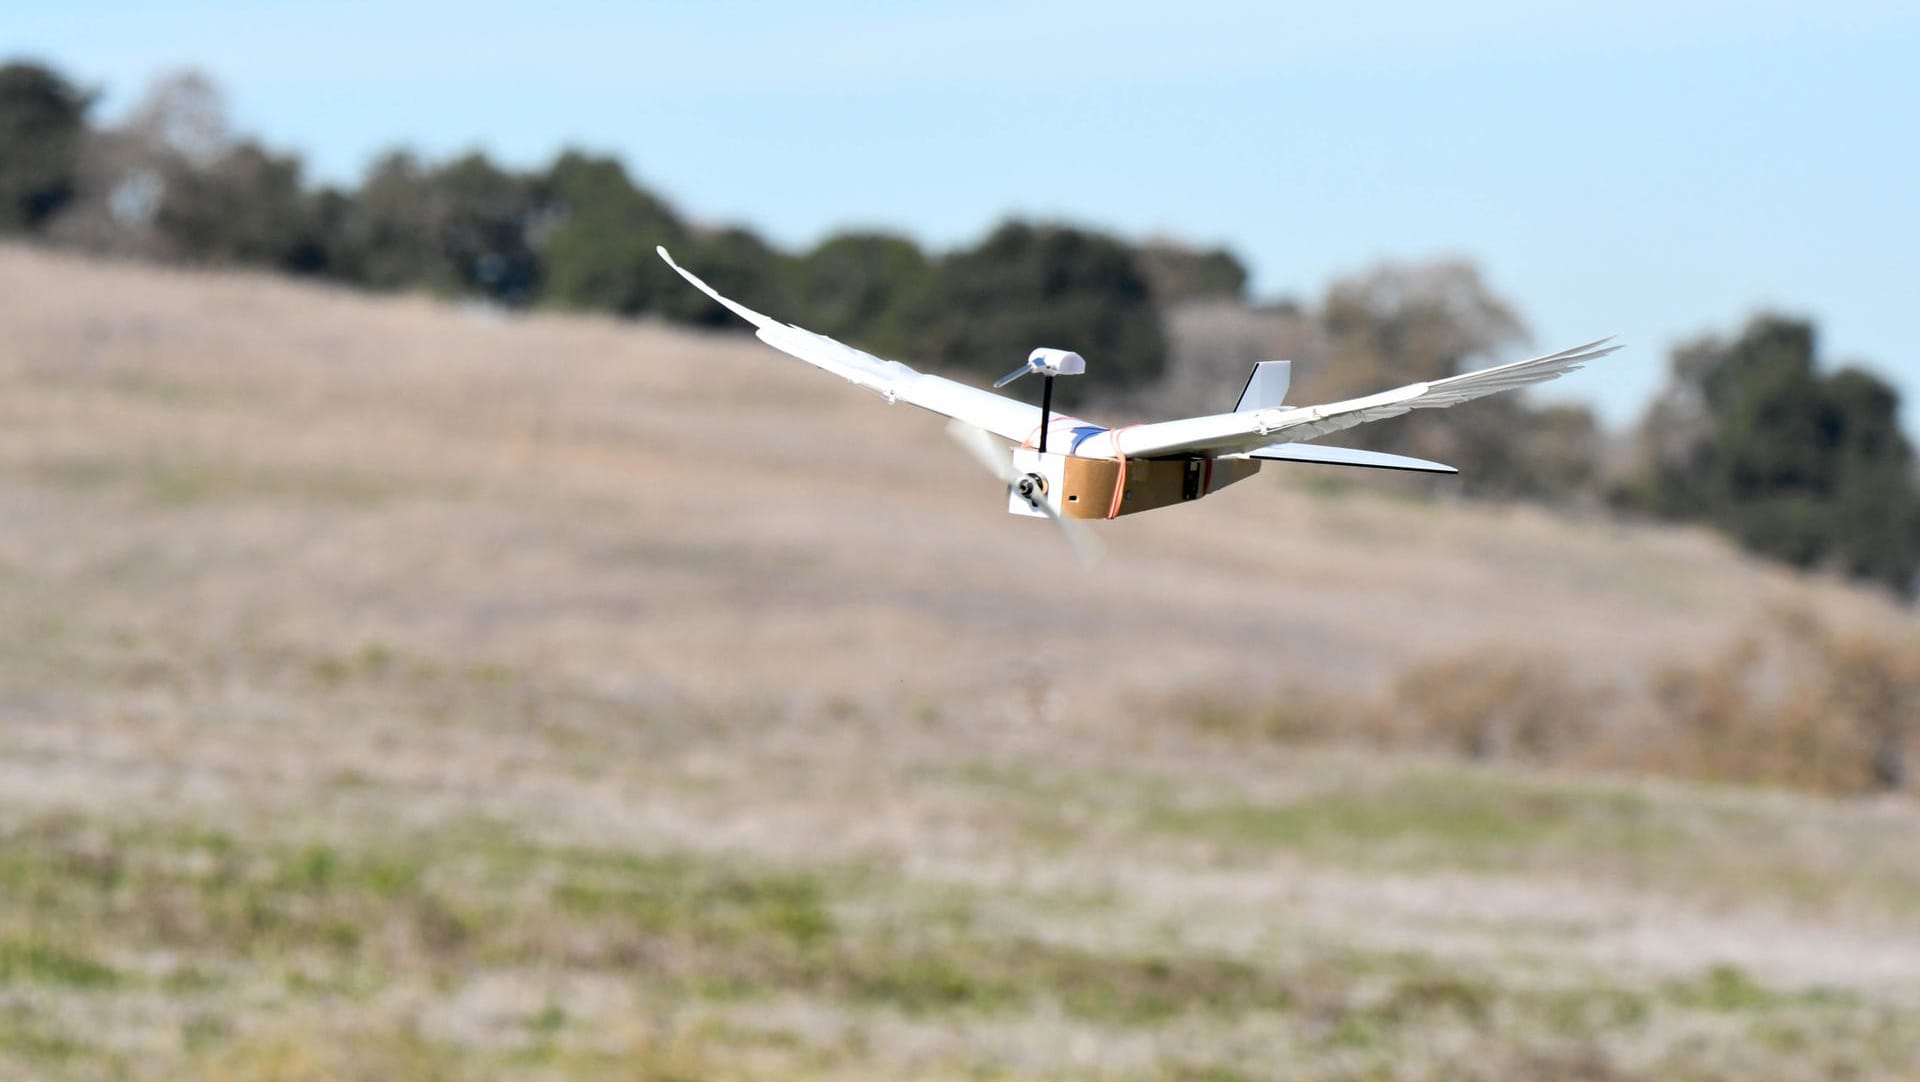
(1266,386)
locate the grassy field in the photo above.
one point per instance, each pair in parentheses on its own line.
(397,690)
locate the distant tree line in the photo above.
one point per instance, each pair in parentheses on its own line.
(1751,435)
(172,182)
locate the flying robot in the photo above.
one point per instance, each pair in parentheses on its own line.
(1059,467)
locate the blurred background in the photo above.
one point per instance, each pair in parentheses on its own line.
(436,643)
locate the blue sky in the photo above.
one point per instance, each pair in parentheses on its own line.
(1659,169)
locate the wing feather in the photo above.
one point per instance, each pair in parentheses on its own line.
(891,380)
(1229,433)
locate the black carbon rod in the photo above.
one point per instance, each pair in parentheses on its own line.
(1046,413)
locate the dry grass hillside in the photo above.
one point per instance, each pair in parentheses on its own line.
(393,689)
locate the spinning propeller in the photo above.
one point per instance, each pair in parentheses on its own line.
(1030,487)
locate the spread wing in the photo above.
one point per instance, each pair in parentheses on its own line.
(891,380)
(1240,433)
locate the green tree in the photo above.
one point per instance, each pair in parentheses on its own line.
(43,121)
(861,288)
(1806,467)
(246,207)
(1029,285)
(386,238)
(482,215)
(462,227)
(1179,273)
(597,238)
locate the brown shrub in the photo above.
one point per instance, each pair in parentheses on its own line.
(1494,704)
(1797,703)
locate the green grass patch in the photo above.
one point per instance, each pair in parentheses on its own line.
(321,927)
(1463,817)
(681,895)
(1727,989)
(35,961)
(1433,814)
(1003,975)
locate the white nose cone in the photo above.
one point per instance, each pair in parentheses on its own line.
(1056,362)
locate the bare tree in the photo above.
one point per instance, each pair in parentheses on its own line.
(183,116)
(126,170)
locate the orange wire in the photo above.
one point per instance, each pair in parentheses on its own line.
(1027,444)
(1120,482)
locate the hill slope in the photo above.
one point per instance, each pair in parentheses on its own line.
(655,506)
(567,697)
